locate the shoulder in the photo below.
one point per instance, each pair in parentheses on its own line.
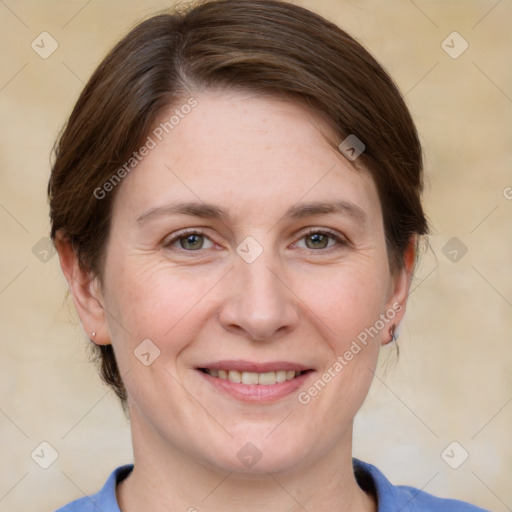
(105,499)
(407,499)
(420,501)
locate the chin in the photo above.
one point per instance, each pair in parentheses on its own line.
(254,452)
(270,462)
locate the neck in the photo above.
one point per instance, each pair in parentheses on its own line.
(174,480)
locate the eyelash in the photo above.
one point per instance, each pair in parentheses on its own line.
(183,234)
(341,241)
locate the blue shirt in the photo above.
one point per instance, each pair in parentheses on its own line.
(390,498)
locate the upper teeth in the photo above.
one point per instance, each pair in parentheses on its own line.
(265,379)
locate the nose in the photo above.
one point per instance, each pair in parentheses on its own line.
(259,304)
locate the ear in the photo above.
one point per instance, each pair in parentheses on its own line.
(86,292)
(400,284)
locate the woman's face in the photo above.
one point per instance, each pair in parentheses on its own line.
(243,247)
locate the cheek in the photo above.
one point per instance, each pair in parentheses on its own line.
(347,305)
(348,299)
(153,301)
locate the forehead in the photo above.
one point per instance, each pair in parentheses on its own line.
(238,150)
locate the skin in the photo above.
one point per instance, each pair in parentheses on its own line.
(254,157)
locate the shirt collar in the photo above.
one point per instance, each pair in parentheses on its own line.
(368,476)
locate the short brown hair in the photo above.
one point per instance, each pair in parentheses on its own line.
(267,47)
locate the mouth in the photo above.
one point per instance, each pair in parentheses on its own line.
(261,379)
(255,382)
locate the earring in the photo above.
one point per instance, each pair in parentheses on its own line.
(392,333)
(93,335)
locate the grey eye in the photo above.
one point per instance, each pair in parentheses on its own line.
(317,241)
(192,242)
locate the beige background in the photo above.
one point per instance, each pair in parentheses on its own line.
(453,379)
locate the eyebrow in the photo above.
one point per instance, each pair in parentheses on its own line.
(211,211)
(197,209)
(346,208)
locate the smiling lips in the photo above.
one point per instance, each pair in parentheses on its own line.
(245,379)
(264,378)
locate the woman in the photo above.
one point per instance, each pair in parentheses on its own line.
(236,205)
